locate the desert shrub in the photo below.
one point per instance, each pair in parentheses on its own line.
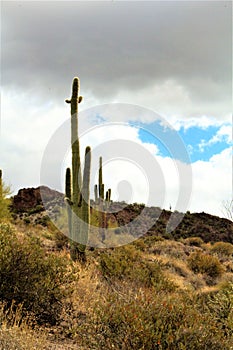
(62,241)
(31,277)
(153,321)
(26,220)
(43,221)
(171,248)
(127,263)
(140,244)
(35,210)
(194,241)
(222,248)
(220,305)
(207,264)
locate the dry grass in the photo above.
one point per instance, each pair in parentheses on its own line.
(16,332)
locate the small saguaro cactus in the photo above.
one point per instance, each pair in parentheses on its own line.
(78,188)
(108,195)
(99,189)
(101,201)
(101,185)
(96,193)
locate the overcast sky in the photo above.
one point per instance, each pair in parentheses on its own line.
(172,57)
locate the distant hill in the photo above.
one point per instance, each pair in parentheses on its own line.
(28,199)
(208,227)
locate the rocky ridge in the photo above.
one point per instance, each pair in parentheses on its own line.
(136,217)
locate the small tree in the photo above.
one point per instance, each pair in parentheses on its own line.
(5,191)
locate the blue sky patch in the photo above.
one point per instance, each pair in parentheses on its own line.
(187,145)
(198,142)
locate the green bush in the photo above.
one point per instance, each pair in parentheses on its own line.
(194,241)
(153,321)
(220,305)
(127,263)
(30,277)
(35,210)
(26,220)
(207,264)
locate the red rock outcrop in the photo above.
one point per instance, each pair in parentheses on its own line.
(29,198)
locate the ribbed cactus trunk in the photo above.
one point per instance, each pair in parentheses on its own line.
(78,237)
(86,198)
(102,216)
(68,194)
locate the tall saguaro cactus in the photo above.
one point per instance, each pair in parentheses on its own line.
(86,197)
(78,189)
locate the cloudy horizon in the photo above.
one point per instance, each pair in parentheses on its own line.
(172,58)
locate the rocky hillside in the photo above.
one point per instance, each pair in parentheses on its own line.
(30,198)
(135,217)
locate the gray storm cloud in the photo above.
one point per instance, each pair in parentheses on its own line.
(116,46)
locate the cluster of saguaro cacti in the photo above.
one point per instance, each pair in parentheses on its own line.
(99,189)
(77,188)
(102,203)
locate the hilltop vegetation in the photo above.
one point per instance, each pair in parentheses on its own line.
(159,292)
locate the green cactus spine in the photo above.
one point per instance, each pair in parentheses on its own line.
(79,207)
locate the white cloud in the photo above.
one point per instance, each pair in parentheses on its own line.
(224,134)
(202,122)
(26,129)
(212,183)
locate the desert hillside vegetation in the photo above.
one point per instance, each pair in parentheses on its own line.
(159,292)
